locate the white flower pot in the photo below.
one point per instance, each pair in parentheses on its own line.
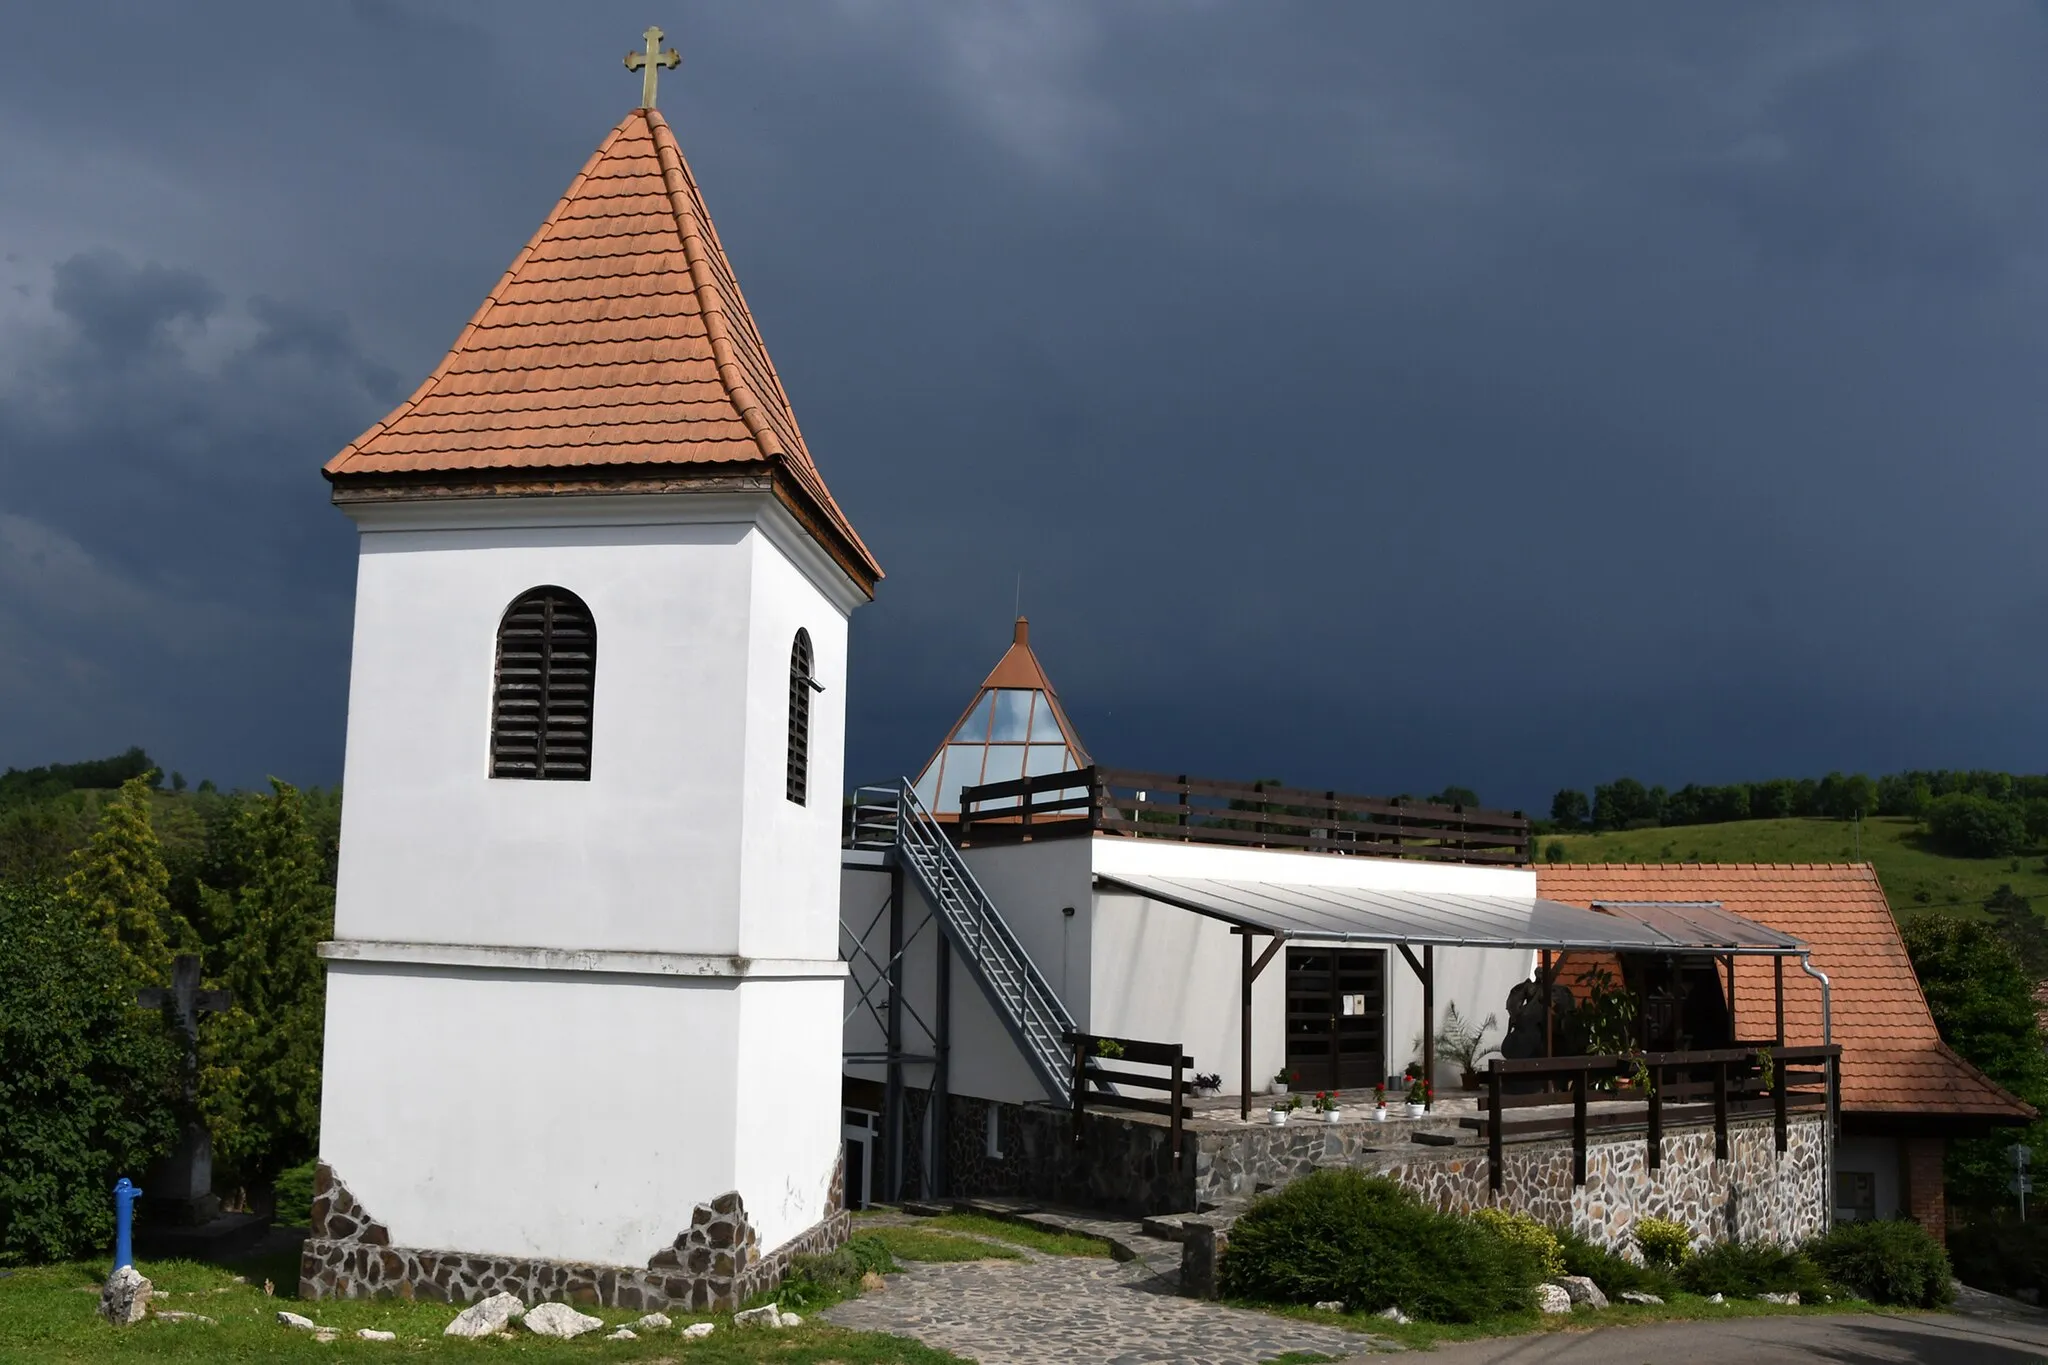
(1277,1088)
(1416,1111)
(1331,1115)
(1277,1117)
(1379,1113)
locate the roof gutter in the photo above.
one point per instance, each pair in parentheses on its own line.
(1827,1038)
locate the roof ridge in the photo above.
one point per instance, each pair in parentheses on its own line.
(490,301)
(710,296)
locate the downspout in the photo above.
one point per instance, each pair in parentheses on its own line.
(1833,1072)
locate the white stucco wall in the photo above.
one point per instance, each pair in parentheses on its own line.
(638,1008)
(1880,1157)
(681,841)
(530,1114)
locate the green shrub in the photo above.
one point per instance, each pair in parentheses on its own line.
(815,1282)
(1525,1232)
(2000,1256)
(1614,1273)
(1743,1270)
(87,1080)
(1895,1261)
(294,1191)
(1663,1242)
(1969,826)
(1342,1234)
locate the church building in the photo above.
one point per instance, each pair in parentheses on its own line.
(584,995)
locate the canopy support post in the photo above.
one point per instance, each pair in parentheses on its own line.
(1429,1025)
(1252,968)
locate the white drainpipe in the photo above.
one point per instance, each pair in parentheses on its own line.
(1833,1074)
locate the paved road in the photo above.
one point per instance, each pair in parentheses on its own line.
(1076,1311)
(1881,1339)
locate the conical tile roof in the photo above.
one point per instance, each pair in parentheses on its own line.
(617,352)
(1015,727)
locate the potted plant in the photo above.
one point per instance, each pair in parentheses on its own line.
(1379,1103)
(1277,1115)
(1281,1079)
(1328,1107)
(1461,1042)
(1108,1047)
(1208,1083)
(1419,1096)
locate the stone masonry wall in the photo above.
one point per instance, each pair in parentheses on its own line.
(1757,1193)
(715,1264)
(1121,1165)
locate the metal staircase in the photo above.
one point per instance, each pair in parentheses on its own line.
(1037,1022)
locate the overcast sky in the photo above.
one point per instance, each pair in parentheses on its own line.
(1373,396)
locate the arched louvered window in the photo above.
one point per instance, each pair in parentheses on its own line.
(801,686)
(547,679)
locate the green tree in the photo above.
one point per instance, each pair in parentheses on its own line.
(1982,999)
(260,1069)
(118,885)
(1626,803)
(1971,826)
(87,1081)
(1570,809)
(1456,796)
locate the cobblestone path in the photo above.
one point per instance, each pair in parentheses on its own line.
(1076,1309)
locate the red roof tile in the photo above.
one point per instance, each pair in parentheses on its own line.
(1893,1059)
(617,341)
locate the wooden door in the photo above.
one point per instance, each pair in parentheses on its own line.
(1336,1017)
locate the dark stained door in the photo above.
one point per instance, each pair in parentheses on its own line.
(1336,1017)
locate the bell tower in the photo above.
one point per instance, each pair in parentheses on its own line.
(583,1000)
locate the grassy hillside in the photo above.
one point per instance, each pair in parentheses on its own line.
(1915,878)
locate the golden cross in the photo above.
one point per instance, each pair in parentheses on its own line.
(647,62)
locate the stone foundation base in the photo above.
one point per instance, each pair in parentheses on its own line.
(714,1266)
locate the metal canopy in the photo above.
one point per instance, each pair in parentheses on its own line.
(1420,918)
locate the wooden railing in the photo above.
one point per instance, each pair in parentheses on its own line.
(1649,1091)
(1093,1077)
(1255,814)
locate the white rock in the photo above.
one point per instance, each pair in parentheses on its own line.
(1638,1296)
(559,1320)
(1791,1298)
(175,1315)
(124,1299)
(1394,1315)
(486,1317)
(1330,1305)
(1551,1299)
(326,1334)
(623,1334)
(700,1330)
(1581,1289)
(297,1323)
(654,1322)
(374,1334)
(767,1315)
(790,1320)
(1717,1298)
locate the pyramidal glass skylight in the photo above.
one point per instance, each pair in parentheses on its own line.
(1014,728)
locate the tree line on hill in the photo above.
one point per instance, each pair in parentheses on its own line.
(1973,813)
(106,875)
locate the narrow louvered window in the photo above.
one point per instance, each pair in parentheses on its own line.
(547,678)
(800,686)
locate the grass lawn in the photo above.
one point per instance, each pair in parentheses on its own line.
(1020,1234)
(50,1313)
(1915,878)
(923,1244)
(1678,1307)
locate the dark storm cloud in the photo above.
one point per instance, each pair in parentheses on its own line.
(1371,396)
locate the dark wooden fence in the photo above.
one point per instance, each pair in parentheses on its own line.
(1255,814)
(1745,1081)
(1093,1075)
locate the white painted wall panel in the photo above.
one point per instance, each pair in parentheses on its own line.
(531,1114)
(788,1107)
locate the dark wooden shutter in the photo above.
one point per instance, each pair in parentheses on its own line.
(799,777)
(547,678)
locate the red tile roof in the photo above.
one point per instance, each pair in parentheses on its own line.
(617,341)
(1893,1060)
